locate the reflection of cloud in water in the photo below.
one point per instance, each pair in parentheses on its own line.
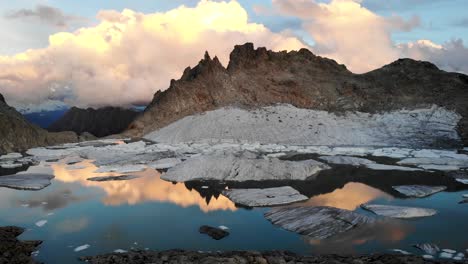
(386,232)
(350,197)
(59,198)
(147,188)
(73,225)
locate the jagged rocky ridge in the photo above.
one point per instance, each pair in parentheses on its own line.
(259,77)
(99,122)
(17,134)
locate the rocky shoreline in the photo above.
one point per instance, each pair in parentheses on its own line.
(14,251)
(234,257)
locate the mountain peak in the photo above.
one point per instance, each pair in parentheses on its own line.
(2,99)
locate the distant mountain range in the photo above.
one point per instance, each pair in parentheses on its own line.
(18,134)
(99,122)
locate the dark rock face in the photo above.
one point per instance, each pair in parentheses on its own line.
(17,134)
(213,232)
(101,122)
(259,77)
(13,251)
(237,257)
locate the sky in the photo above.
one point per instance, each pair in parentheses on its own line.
(91,53)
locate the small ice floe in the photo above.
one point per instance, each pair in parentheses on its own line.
(464,181)
(10,156)
(459,256)
(135,243)
(24,205)
(120,251)
(450,251)
(121,168)
(44,203)
(113,178)
(446,255)
(35,253)
(418,191)
(400,251)
(81,248)
(430,249)
(223,227)
(398,211)
(384,167)
(11,165)
(428,256)
(163,164)
(26,181)
(264,197)
(41,223)
(205,187)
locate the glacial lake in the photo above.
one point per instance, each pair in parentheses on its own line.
(149,213)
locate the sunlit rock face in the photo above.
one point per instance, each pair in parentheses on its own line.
(257,78)
(286,124)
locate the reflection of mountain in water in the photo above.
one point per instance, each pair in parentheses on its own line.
(338,177)
(149,187)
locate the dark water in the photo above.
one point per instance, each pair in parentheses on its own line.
(150,213)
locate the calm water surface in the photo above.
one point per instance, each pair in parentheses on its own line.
(149,213)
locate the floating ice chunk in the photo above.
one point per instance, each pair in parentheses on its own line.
(264,197)
(439,167)
(11,165)
(462,163)
(35,253)
(49,214)
(390,167)
(81,248)
(25,205)
(120,251)
(346,160)
(464,181)
(44,203)
(205,187)
(418,191)
(446,255)
(121,169)
(428,248)
(41,223)
(450,251)
(401,251)
(398,211)
(428,256)
(11,156)
(465,195)
(392,152)
(26,181)
(223,227)
(243,166)
(164,163)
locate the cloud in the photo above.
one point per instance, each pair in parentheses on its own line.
(47,14)
(128,55)
(452,55)
(350,33)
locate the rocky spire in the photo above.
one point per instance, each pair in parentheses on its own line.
(2,99)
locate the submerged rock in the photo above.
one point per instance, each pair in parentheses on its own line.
(245,166)
(317,222)
(264,197)
(418,191)
(398,211)
(26,181)
(430,249)
(214,232)
(113,178)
